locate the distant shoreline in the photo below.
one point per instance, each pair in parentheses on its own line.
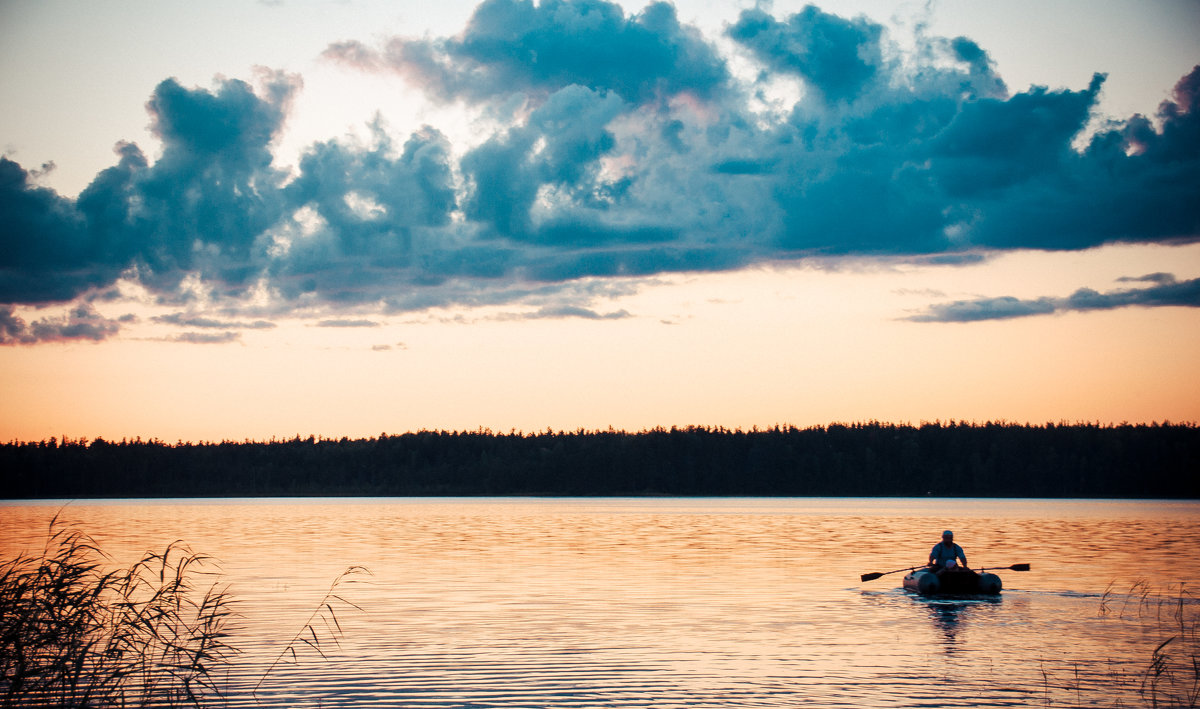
(72,501)
(992,460)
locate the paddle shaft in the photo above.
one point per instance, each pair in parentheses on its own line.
(877,574)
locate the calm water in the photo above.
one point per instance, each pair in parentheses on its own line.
(679,602)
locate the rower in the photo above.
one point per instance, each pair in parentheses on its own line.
(946,555)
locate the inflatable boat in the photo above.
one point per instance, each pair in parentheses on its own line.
(962,582)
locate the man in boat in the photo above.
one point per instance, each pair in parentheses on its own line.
(947,556)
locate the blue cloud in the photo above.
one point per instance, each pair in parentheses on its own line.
(994,144)
(559,146)
(370,198)
(1166,292)
(635,152)
(46,251)
(517,45)
(745,166)
(214,183)
(200,321)
(202,205)
(81,322)
(566,312)
(207,338)
(342,322)
(839,58)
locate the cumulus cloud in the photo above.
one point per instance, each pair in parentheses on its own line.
(837,57)
(46,251)
(519,46)
(79,323)
(624,146)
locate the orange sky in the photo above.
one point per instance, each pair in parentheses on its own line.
(745,235)
(757,348)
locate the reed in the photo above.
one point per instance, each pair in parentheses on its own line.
(1169,677)
(1172,679)
(75,635)
(1172,676)
(322,626)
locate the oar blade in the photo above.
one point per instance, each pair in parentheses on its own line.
(1019,567)
(871,577)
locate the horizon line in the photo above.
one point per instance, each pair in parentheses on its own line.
(314,438)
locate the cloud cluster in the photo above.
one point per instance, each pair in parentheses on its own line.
(1166,291)
(80,323)
(518,46)
(626,146)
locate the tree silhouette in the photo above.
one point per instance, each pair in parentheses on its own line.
(862,459)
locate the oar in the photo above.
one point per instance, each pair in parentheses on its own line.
(877,574)
(1014,567)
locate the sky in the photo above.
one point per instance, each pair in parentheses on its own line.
(230,221)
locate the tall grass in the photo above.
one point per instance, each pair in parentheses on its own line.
(1173,676)
(323,623)
(1170,675)
(74,633)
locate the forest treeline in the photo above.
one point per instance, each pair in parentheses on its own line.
(866,459)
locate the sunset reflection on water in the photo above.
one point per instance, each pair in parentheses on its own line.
(671,602)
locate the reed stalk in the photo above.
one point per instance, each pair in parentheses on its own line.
(75,635)
(322,624)
(1171,678)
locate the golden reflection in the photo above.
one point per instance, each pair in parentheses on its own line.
(951,617)
(635,602)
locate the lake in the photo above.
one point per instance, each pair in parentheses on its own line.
(670,602)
